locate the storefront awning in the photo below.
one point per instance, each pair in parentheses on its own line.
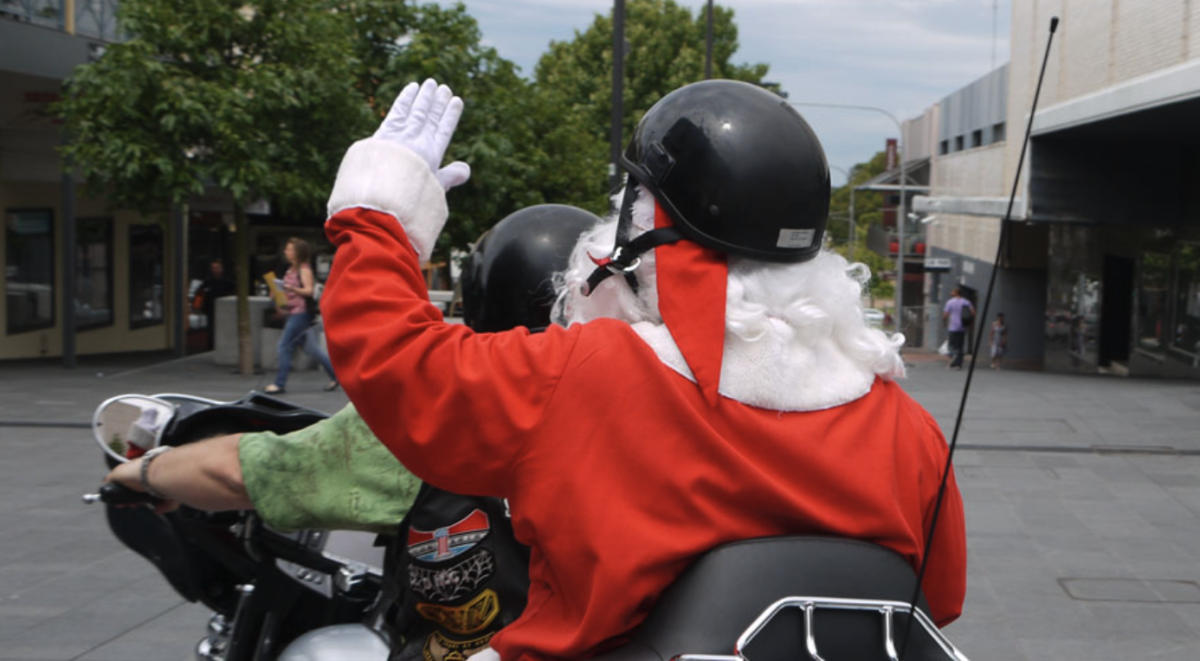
(994,207)
(916,176)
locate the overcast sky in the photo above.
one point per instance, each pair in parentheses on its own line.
(900,55)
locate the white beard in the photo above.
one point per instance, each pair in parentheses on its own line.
(795,337)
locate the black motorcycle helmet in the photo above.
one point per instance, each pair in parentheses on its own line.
(736,168)
(507,280)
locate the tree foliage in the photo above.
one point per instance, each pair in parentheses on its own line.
(522,147)
(255,98)
(503,131)
(261,98)
(868,211)
(666,51)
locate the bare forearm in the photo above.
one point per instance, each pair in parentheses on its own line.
(206,475)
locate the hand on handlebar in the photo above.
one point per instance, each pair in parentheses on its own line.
(128,476)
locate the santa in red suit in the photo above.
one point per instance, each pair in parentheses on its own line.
(714,379)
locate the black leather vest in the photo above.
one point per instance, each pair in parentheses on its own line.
(454,576)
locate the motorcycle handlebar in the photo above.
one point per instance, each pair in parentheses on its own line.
(113,493)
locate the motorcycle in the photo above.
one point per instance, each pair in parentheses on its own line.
(308,596)
(272,593)
(791,598)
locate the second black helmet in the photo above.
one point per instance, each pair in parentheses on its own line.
(508,279)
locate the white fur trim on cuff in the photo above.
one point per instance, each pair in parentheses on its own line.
(382,175)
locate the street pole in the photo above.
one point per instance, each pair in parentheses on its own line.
(709,44)
(899,208)
(853,238)
(68,269)
(618,89)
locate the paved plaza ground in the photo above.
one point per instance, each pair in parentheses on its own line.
(1082,495)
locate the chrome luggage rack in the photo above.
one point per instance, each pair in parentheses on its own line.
(810,605)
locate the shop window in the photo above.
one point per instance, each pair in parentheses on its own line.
(93,273)
(1153,297)
(977,138)
(1187,301)
(145,275)
(998,132)
(29,269)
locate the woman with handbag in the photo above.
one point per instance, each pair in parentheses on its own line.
(299,285)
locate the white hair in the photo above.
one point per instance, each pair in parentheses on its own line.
(808,304)
(613,299)
(812,308)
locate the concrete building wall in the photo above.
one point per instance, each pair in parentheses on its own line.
(1193,30)
(1100,43)
(1090,58)
(1147,35)
(31,177)
(975,172)
(114,338)
(971,173)
(921,134)
(968,236)
(969,115)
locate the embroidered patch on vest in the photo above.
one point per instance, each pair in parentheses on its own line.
(452,582)
(445,543)
(471,617)
(441,648)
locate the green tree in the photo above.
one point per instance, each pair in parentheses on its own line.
(868,211)
(521,148)
(666,51)
(257,98)
(495,134)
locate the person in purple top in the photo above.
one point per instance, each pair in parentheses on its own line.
(957,324)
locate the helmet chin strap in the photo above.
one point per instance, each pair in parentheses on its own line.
(626,254)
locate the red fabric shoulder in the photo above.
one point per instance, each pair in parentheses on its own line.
(452,405)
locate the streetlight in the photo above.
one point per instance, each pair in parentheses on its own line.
(899,211)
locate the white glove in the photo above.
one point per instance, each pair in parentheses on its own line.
(423,120)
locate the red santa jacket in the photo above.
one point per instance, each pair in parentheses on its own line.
(618,473)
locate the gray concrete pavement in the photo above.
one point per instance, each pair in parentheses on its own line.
(1082,494)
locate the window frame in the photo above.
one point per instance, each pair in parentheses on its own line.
(9,328)
(136,323)
(109,271)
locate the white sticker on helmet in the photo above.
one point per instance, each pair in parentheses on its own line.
(795,238)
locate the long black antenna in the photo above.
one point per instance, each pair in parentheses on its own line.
(987,302)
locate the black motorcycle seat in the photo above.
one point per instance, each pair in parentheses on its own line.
(719,596)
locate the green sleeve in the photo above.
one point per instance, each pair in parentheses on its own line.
(334,475)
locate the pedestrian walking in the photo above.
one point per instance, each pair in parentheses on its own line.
(957,316)
(998,340)
(299,285)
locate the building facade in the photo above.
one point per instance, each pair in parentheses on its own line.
(1102,269)
(83,277)
(119,263)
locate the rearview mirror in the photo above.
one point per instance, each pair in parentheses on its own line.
(128,426)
